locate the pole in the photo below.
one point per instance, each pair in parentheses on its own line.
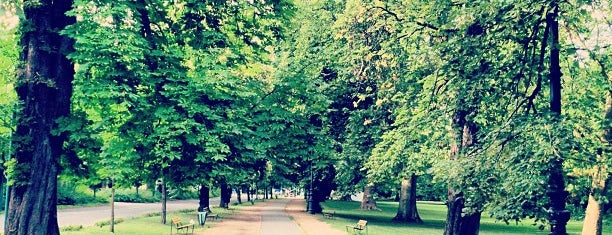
(7,191)
(557,214)
(112,220)
(310,199)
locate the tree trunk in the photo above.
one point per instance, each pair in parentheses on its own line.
(238,195)
(249,194)
(164,200)
(44,88)
(266,191)
(204,196)
(407,209)
(456,222)
(112,220)
(226,194)
(592,224)
(367,201)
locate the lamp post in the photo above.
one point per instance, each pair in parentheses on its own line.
(557,214)
(309,204)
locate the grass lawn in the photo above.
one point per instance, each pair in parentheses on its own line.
(433,215)
(148,224)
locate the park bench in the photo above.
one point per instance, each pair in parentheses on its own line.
(329,215)
(176,223)
(359,226)
(211,215)
(202,218)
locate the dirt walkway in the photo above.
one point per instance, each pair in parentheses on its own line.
(248,220)
(309,224)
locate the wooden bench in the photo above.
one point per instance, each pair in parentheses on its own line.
(176,222)
(329,215)
(210,214)
(359,226)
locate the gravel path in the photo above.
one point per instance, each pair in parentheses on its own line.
(276,221)
(282,216)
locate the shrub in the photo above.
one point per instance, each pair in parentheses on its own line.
(153,214)
(69,193)
(107,222)
(72,228)
(135,198)
(181,194)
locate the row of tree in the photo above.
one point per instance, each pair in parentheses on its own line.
(361,95)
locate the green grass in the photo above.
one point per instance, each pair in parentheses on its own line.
(149,224)
(433,215)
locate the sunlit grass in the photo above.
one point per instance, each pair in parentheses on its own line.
(149,224)
(433,215)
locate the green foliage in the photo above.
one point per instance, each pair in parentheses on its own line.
(71,228)
(108,222)
(134,198)
(360,92)
(433,215)
(75,194)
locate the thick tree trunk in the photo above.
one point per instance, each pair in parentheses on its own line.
(407,209)
(238,195)
(592,224)
(44,88)
(204,196)
(456,222)
(164,200)
(367,201)
(249,194)
(226,194)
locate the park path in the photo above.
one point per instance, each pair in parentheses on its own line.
(273,217)
(88,216)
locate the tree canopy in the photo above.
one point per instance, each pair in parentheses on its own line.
(364,95)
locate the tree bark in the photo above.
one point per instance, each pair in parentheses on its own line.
(456,222)
(44,88)
(238,195)
(407,209)
(204,197)
(164,200)
(112,220)
(226,194)
(592,224)
(367,201)
(249,194)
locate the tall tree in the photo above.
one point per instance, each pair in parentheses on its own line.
(44,87)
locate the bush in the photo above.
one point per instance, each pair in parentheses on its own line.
(107,222)
(129,195)
(182,194)
(69,193)
(134,198)
(72,228)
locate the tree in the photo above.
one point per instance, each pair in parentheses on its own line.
(44,88)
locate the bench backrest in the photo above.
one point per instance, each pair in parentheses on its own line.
(176,221)
(362,223)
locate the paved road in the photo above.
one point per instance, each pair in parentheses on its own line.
(276,221)
(88,216)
